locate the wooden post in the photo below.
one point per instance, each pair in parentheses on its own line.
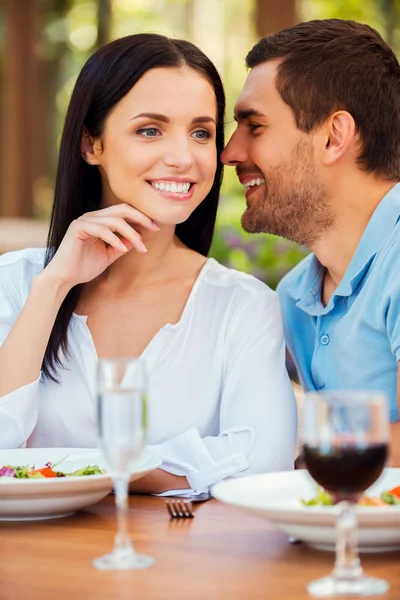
(273,15)
(104,19)
(20,127)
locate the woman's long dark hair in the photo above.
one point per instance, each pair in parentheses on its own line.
(104,80)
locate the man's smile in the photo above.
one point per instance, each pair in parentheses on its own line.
(251,183)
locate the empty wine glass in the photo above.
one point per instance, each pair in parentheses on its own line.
(122,410)
(344,436)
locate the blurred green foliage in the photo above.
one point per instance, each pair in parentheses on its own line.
(267,257)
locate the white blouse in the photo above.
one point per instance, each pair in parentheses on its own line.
(220,400)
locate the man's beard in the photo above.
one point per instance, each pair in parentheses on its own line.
(295,203)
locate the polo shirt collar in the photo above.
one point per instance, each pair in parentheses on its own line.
(307,291)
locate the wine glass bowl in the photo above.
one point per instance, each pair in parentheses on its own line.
(346,472)
(344,439)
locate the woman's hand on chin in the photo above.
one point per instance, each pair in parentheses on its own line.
(95,240)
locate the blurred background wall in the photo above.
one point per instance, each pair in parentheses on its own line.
(43,45)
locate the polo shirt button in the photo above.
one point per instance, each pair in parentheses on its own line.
(324,339)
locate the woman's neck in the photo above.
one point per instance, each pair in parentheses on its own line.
(163,248)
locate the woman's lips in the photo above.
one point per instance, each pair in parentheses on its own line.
(180,196)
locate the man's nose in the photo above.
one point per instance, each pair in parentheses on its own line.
(235,151)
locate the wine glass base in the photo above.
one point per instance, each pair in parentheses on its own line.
(330,587)
(124,562)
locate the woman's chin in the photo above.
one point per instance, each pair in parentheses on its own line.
(170,220)
(171,216)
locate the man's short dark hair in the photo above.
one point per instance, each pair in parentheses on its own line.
(333,64)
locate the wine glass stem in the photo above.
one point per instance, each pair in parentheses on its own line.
(122,544)
(347,564)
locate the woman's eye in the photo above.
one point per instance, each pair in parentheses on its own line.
(253,126)
(201,134)
(148,132)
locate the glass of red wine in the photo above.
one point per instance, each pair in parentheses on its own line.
(344,437)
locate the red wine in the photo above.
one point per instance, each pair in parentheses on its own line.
(346,470)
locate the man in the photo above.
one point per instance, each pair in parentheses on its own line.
(317,148)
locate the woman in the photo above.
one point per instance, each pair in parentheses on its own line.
(126,274)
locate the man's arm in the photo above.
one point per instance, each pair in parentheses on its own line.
(395,431)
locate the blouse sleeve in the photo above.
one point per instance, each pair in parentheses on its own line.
(19,409)
(258,416)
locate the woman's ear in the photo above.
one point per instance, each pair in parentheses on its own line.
(90,148)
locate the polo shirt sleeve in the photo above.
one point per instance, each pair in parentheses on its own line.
(389,305)
(19,409)
(258,417)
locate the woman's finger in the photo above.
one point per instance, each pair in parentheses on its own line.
(120,226)
(86,230)
(127,212)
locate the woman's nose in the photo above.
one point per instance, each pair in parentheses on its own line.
(179,157)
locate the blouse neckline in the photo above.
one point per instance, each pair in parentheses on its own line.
(157,339)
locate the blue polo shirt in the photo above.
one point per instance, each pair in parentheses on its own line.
(354,341)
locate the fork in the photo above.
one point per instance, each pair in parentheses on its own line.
(183,507)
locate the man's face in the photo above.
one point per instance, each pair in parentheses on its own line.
(274,160)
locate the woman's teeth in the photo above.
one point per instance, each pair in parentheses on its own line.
(176,188)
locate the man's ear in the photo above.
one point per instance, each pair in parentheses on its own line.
(340,134)
(90,148)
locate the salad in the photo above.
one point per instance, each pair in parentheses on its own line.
(49,470)
(387,498)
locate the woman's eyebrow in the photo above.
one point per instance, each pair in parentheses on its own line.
(154,116)
(204,120)
(164,119)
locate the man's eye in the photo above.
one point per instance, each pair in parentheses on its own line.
(201,134)
(253,126)
(148,132)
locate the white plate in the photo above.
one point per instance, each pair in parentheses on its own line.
(32,499)
(277,497)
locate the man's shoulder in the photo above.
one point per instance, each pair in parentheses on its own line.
(293,278)
(389,253)
(386,266)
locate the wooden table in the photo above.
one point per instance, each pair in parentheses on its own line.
(221,554)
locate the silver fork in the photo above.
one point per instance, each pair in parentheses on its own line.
(183,507)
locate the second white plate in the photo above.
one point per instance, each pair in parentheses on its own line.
(277,497)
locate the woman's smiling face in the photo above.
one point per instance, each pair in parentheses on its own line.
(158,147)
